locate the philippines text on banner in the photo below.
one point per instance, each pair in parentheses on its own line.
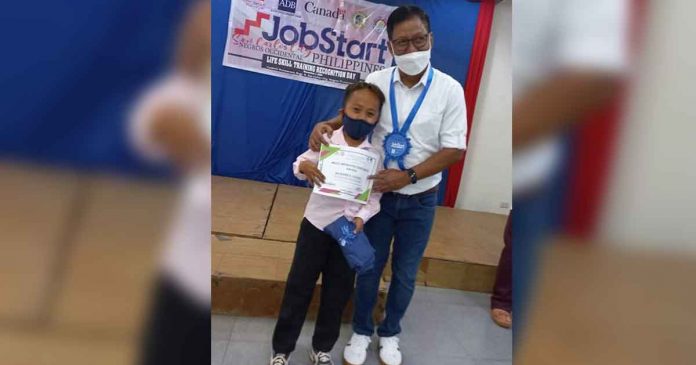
(324,42)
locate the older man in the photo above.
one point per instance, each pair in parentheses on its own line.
(422,130)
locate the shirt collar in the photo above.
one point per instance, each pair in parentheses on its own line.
(422,81)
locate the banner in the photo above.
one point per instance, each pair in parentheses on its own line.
(324,42)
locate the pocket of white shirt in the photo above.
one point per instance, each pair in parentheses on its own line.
(425,130)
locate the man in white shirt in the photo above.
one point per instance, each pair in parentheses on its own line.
(427,135)
(569,58)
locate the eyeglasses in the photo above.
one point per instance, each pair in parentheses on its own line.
(419,41)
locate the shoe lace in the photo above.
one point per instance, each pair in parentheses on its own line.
(279,360)
(390,342)
(359,340)
(323,356)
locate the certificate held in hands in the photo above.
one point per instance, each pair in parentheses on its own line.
(346,170)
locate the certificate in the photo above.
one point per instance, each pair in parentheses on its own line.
(346,170)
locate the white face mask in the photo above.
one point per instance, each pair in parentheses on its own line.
(413,63)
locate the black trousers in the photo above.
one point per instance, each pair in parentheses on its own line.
(316,253)
(502,290)
(178,329)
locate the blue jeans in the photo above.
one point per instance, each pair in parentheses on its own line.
(536,215)
(407,219)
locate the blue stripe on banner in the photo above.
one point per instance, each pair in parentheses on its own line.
(262,123)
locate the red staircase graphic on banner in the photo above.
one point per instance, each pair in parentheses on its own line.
(251,23)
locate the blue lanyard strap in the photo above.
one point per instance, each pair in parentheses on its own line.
(414,110)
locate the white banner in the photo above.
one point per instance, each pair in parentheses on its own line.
(324,42)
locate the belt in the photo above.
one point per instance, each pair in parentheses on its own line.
(429,191)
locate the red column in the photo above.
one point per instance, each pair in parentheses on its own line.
(471,88)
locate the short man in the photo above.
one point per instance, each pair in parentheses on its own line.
(422,129)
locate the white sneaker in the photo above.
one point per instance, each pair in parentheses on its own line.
(389,353)
(355,351)
(320,358)
(280,359)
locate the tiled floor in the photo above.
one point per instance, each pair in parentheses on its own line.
(441,327)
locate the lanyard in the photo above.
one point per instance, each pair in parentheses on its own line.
(414,110)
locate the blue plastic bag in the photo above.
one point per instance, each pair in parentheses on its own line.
(357,249)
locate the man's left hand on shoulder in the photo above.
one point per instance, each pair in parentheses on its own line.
(390,180)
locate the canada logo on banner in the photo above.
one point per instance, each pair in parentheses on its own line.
(330,43)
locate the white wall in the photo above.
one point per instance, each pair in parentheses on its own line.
(651,197)
(486,183)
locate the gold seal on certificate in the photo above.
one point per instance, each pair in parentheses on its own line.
(346,170)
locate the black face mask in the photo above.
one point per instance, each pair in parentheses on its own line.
(357,128)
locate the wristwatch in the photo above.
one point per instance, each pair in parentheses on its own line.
(412,175)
